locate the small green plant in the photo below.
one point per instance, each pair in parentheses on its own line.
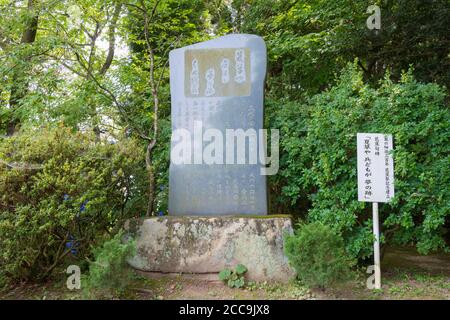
(251,285)
(234,278)
(318,255)
(109,270)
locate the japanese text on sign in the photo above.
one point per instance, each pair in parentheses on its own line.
(375,167)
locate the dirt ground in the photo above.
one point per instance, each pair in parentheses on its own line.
(405,275)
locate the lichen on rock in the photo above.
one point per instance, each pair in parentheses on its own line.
(211,244)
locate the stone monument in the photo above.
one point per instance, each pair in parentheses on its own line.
(217,86)
(217,188)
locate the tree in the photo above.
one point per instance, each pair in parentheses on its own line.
(165,25)
(310,41)
(19,81)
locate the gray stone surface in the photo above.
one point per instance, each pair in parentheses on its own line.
(235,100)
(208,245)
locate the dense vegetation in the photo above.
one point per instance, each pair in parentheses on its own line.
(318,164)
(62,193)
(318,255)
(85,116)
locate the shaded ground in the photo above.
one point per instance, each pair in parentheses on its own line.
(408,258)
(405,275)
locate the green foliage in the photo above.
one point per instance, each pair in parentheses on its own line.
(241,269)
(234,278)
(60,192)
(318,166)
(225,274)
(63,76)
(317,254)
(109,270)
(309,41)
(161,161)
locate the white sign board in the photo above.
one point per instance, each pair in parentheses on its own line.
(375,167)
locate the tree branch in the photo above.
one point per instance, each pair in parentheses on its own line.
(112,38)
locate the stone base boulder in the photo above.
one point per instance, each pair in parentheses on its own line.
(210,244)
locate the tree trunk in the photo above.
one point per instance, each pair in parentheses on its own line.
(151,190)
(155,95)
(151,177)
(20,84)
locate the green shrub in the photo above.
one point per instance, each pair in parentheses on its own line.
(109,270)
(317,254)
(234,278)
(61,192)
(318,174)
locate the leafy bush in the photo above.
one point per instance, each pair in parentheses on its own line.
(234,278)
(61,192)
(317,254)
(318,159)
(109,269)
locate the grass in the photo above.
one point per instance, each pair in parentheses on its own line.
(401,279)
(402,285)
